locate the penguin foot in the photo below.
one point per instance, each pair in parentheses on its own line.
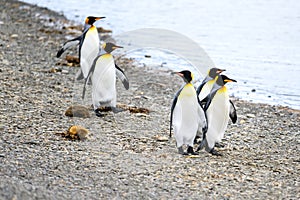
(180,151)
(200,147)
(190,150)
(214,152)
(98,113)
(219,145)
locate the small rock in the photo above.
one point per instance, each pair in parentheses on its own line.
(253,90)
(54,70)
(2,127)
(250,115)
(14,36)
(5,62)
(141,115)
(41,38)
(242,117)
(252,164)
(64,71)
(193,156)
(242,121)
(145,97)
(161,138)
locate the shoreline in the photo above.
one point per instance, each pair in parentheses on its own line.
(122,157)
(250,89)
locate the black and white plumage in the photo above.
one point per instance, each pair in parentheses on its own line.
(187,115)
(218,109)
(103,79)
(89,46)
(205,87)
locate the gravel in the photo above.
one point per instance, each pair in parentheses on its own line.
(125,155)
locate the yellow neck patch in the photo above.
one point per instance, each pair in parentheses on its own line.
(93,28)
(106,56)
(188,90)
(223,89)
(211,82)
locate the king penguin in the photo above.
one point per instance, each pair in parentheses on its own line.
(103,79)
(187,115)
(205,87)
(89,45)
(218,109)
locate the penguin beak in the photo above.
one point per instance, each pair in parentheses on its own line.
(178,73)
(116,47)
(229,80)
(219,71)
(98,18)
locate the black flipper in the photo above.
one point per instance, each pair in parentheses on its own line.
(204,128)
(121,75)
(172,108)
(69,44)
(208,100)
(89,74)
(205,80)
(200,87)
(232,112)
(204,101)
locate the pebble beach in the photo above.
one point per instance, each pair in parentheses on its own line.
(126,155)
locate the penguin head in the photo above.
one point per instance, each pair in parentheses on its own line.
(186,75)
(109,47)
(90,20)
(223,79)
(213,72)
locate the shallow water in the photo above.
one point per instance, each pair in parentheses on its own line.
(257,42)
